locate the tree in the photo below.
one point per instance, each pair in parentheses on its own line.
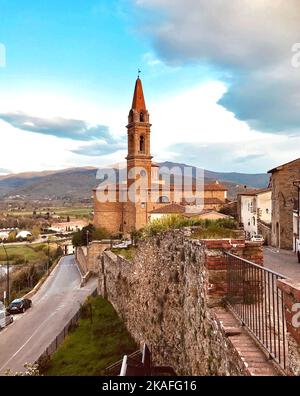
(89,234)
(77,239)
(12,236)
(36,231)
(99,233)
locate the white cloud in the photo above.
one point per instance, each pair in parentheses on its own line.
(251,40)
(192,126)
(189,127)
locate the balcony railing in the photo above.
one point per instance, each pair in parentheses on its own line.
(253,296)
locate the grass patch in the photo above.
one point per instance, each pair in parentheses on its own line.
(25,253)
(127,253)
(75,212)
(214,233)
(98,341)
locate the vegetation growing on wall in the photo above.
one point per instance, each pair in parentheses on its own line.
(127,253)
(205,228)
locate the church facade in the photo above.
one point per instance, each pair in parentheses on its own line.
(133,199)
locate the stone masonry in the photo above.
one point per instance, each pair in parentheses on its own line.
(284,194)
(170,296)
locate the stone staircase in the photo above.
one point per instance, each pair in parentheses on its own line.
(254,360)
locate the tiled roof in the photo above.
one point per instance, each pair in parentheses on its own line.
(214,187)
(207,187)
(206,211)
(281,166)
(213,201)
(172,208)
(255,192)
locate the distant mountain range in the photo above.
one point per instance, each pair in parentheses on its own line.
(76,183)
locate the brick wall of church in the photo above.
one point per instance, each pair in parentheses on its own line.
(108,215)
(215,194)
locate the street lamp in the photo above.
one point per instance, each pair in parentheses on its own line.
(7,276)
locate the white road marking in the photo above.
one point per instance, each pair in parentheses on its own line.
(29,339)
(61,306)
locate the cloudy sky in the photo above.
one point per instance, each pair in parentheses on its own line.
(221,80)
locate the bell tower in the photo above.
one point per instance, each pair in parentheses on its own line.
(139,162)
(139,155)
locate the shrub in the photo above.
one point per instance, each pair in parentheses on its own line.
(88,234)
(220,226)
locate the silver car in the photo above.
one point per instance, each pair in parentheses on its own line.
(5,319)
(257,238)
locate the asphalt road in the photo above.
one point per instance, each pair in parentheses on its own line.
(53,306)
(283,261)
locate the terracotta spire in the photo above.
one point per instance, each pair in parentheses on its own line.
(138,102)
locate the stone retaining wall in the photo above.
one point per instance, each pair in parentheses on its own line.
(166,297)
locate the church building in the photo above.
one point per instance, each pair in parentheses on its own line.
(132,206)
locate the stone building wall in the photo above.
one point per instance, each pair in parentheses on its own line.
(167,297)
(88,258)
(81,259)
(266,231)
(284,194)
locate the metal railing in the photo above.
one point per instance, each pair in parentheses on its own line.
(253,296)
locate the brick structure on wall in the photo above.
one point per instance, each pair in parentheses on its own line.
(284,195)
(291,298)
(170,296)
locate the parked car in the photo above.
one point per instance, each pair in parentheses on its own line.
(257,238)
(19,306)
(5,319)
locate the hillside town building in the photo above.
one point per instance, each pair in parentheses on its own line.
(255,212)
(284,204)
(122,214)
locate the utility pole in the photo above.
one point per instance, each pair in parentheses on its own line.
(7,277)
(48,242)
(87,238)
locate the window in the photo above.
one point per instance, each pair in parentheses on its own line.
(163,199)
(142,144)
(267,211)
(131,116)
(143,205)
(142,117)
(253,220)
